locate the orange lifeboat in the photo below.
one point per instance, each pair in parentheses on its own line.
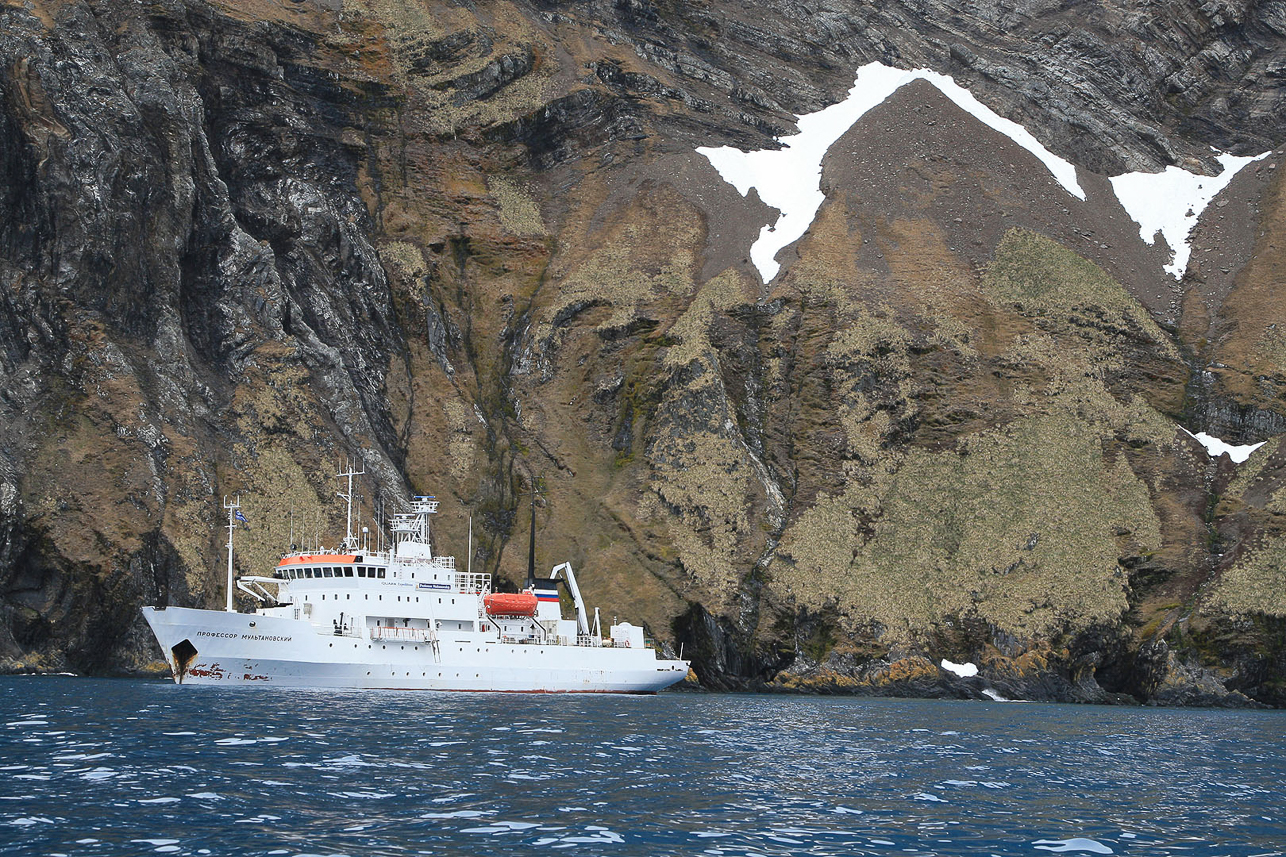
(511,604)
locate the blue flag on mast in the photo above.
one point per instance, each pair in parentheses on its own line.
(242,518)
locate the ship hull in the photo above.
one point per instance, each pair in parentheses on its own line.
(221,648)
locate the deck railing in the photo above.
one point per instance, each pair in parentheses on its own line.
(401,635)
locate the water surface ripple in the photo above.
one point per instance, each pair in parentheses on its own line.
(100,767)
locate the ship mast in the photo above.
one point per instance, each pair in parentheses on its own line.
(350,541)
(531,545)
(234,512)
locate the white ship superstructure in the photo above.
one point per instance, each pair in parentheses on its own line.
(404,618)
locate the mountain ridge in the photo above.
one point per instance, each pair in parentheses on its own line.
(244,241)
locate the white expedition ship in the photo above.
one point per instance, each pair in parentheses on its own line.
(404,618)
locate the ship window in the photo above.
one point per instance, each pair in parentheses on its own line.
(348,597)
(361,571)
(379,572)
(348,572)
(330,572)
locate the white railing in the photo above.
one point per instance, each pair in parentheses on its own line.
(403,635)
(465,582)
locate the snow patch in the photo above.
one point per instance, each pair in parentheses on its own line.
(1170,202)
(1216,447)
(962,670)
(789,179)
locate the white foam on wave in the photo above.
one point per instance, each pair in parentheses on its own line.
(98,774)
(1171,202)
(1076,844)
(789,179)
(925,796)
(460,813)
(502,827)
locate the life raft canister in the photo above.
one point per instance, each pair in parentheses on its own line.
(511,604)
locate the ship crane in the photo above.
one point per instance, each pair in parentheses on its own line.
(582,622)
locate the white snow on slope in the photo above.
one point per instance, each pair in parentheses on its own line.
(1216,447)
(789,179)
(962,670)
(1170,202)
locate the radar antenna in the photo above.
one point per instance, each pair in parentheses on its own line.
(350,541)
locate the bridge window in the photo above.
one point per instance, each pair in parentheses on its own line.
(379,572)
(348,572)
(361,571)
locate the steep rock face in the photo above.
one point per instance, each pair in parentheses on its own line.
(469,244)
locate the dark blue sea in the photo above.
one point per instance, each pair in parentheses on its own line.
(101,767)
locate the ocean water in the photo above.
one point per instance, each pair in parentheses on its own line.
(99,767)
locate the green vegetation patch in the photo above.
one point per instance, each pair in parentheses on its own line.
(1256,583)
(1045,278)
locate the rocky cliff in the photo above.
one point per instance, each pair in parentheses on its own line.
(468,243)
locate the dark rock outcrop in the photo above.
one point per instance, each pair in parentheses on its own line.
(240,242)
